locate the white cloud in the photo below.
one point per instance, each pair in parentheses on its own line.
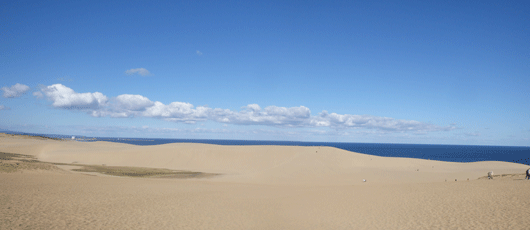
(372,122)
(133,102)
(3,107)
(38,94)
(66,98)
(125,105)
(199,53)
(16,90)
(128,105)
(272,115)
(140,71)
(178,112)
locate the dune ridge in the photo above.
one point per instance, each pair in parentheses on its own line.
(263,164)
(258,187)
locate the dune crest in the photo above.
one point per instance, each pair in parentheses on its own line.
(259,164)
(261,187)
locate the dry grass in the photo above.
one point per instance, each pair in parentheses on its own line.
(11,156)
(141,172)
(12,162)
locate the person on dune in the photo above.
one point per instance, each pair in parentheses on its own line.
(527,174)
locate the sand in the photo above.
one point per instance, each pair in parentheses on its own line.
(255,187)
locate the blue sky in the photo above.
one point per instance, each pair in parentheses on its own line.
(446,72)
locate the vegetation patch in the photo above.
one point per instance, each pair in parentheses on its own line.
(12,162)
(12,156)
(141,172)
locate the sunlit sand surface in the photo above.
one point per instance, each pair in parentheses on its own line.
(103,185)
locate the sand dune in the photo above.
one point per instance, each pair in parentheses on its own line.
(261,164)
(258,187)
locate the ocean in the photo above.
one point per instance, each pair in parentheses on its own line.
(452,153)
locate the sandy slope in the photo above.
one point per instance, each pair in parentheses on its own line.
(262,187)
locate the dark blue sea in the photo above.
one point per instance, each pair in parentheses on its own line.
(452,153)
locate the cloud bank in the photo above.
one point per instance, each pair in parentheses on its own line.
(140,71)
(128,105)
(16,90)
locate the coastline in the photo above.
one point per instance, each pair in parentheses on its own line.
(438,152)
(256,187)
